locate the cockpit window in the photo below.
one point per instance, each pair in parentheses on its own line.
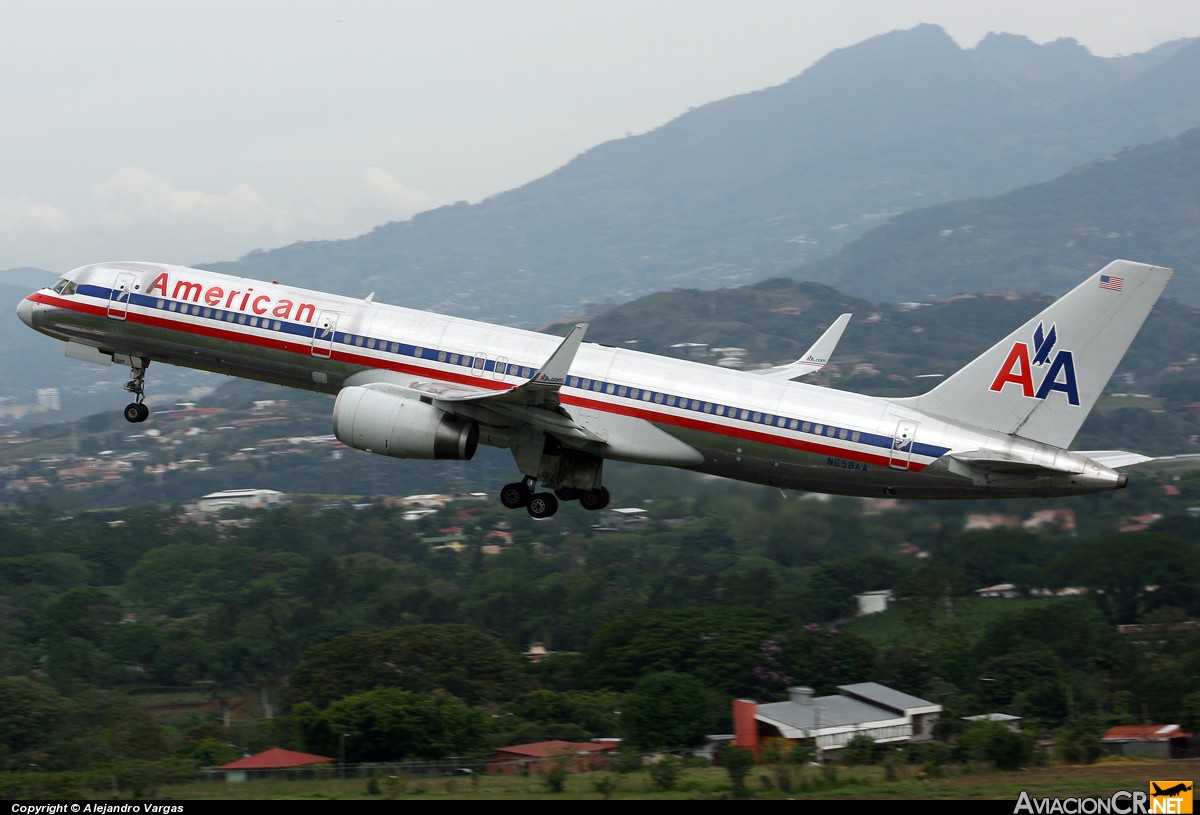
(64,287)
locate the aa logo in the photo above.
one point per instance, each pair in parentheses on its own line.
(1059,368)
(1171,797)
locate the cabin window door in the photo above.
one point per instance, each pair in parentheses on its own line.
(324,333)
(902,444)
(118,298)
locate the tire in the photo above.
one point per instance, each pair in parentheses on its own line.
(136,412)
(514,495)
(593,500)
(542,505)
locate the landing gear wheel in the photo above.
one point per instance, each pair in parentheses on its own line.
(593,500)
(136,412)
(514,495)
(542,505)
(567,494)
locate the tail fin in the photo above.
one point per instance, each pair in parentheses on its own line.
(1041,381)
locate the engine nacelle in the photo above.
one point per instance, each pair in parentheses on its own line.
(379,419)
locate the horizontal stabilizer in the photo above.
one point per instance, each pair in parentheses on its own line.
(991,462)
(1116,458)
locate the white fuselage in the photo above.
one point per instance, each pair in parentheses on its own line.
(747,427)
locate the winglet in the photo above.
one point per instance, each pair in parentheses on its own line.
(814,358)
(553,374)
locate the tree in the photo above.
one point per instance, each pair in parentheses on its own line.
(29,714)
(1133,573)
(457,659)
(998,745)
(668,710)
(738,763)
(717,645)
(813,656)
(390,723)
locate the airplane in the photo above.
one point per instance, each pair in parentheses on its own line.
(1170,792)
(420,385)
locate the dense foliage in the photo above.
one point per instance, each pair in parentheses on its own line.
(134,636)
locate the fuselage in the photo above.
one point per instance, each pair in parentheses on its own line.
(758,429)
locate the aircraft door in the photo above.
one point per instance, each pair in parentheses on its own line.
(118,298)
(324,333)
(902,444)
(500,368)
(479,364)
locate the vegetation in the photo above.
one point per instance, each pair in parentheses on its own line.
(135,651)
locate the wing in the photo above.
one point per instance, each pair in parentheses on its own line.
(533,402)
(814,358)
(535,405)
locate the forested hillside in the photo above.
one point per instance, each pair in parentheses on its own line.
(295,625)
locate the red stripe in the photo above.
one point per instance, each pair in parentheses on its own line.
(671,419)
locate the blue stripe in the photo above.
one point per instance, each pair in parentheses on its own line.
(466,361)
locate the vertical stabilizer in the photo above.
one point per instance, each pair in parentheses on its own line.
(1041,381)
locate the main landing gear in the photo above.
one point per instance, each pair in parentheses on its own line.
(544,504)
(136,411)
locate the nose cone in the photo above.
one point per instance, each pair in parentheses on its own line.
(25,312)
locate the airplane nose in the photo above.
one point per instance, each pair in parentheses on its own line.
(25,312)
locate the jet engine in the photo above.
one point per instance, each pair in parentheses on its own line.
(379,419)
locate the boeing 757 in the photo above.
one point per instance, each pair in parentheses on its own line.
(414,384)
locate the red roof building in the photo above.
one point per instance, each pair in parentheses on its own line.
(579,757)
(275,759)
(1150,740)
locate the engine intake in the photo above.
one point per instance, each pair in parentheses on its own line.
(378,419)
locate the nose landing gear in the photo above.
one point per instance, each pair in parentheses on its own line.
(136,411)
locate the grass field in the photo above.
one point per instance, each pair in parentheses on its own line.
(861,783)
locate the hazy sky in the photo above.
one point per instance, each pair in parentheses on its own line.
(197,131)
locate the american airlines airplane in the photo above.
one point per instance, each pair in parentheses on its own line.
(414,384)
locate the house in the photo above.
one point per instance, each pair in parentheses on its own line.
(1149,740)
(873,602)
(1005,590)
(577,757)
(864,709)
(1007,719)
(275,761)
(248,499)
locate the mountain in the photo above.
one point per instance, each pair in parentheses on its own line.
(757,185)
(1142,204)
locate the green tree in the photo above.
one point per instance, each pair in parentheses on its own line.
(29,714)
(390,723)
(813,656)
(457,659)
(738,763)
(667,710)
(717,645)
(998,745)
(1133,573)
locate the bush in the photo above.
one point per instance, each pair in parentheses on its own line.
(555,778)
(665,772)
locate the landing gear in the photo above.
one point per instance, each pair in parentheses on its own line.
(521,494)
(136,411)
(544,504)
(566,474)
(516,495)
(593,500)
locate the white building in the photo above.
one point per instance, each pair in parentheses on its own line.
(247,499)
